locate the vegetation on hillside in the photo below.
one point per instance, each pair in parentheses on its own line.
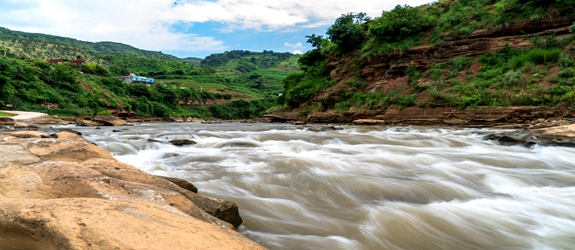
(540,75)
(237,87)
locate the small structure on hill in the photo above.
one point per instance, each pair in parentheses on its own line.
(78,61)
(137,79)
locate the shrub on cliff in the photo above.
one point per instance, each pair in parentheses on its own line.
(347,31)
(400,23)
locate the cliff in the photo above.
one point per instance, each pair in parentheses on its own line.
(459,68)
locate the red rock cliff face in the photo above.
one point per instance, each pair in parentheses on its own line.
(387,72)
(518,35)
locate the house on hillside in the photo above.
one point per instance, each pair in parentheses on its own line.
(137,79)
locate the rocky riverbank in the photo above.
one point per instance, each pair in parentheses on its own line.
(63,192)
(510,117)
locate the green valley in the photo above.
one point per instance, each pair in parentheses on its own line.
(238,85)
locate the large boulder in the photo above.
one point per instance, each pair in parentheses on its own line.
(65,193)
(109,120)
(79,223)
(6,121)
(224,210)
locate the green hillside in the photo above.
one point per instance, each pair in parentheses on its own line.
(447,54)
(95,48)
(184,86)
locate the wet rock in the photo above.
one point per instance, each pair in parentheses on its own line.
(117,131)
(7,121)
(182,142)
(520,137)
(182,183)
(368,122)
(298,123)
(88,123)
(109,120)
(553,136)
(316,129)
(169,155)
(192,119)
(150,140)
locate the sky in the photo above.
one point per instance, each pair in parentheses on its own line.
(188,28)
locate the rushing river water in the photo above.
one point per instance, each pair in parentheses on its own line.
(367,187)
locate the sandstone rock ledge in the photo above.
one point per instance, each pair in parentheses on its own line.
(66,193)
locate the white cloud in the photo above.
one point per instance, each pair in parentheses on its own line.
(274,15)
(138,23)
(297,52)
(295,46)
(147,23)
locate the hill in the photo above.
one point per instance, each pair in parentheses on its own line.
(468,53)
(183,87)
(94,48)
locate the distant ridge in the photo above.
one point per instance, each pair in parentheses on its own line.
(95,48)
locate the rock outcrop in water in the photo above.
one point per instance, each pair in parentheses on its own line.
(553,136)
(67,193)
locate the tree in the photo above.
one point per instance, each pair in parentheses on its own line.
(400,23)
(315,41)
(347,31)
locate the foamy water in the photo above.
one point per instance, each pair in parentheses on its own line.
(367,187)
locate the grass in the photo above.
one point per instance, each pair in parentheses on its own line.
(7,114)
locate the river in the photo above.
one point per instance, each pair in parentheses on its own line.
(367,187)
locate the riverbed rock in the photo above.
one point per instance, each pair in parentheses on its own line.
(554,136)
(182,183)
(182,142)
(7,121)
(88,123)
(61,193)
(368,122)
(224,210)
(70,136)
(28,134)
(48,121)
(109,120)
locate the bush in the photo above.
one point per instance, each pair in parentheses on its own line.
(513,78)
(400,23)
(347,31)
(537,56)
(406,101)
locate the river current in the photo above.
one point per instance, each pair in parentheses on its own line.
(367,187)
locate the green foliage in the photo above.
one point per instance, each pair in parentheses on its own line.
(413,74)
(536,56)
(405,101)
(400,23)
(513,78)
(347,31)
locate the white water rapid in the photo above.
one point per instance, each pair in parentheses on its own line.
(367,187)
